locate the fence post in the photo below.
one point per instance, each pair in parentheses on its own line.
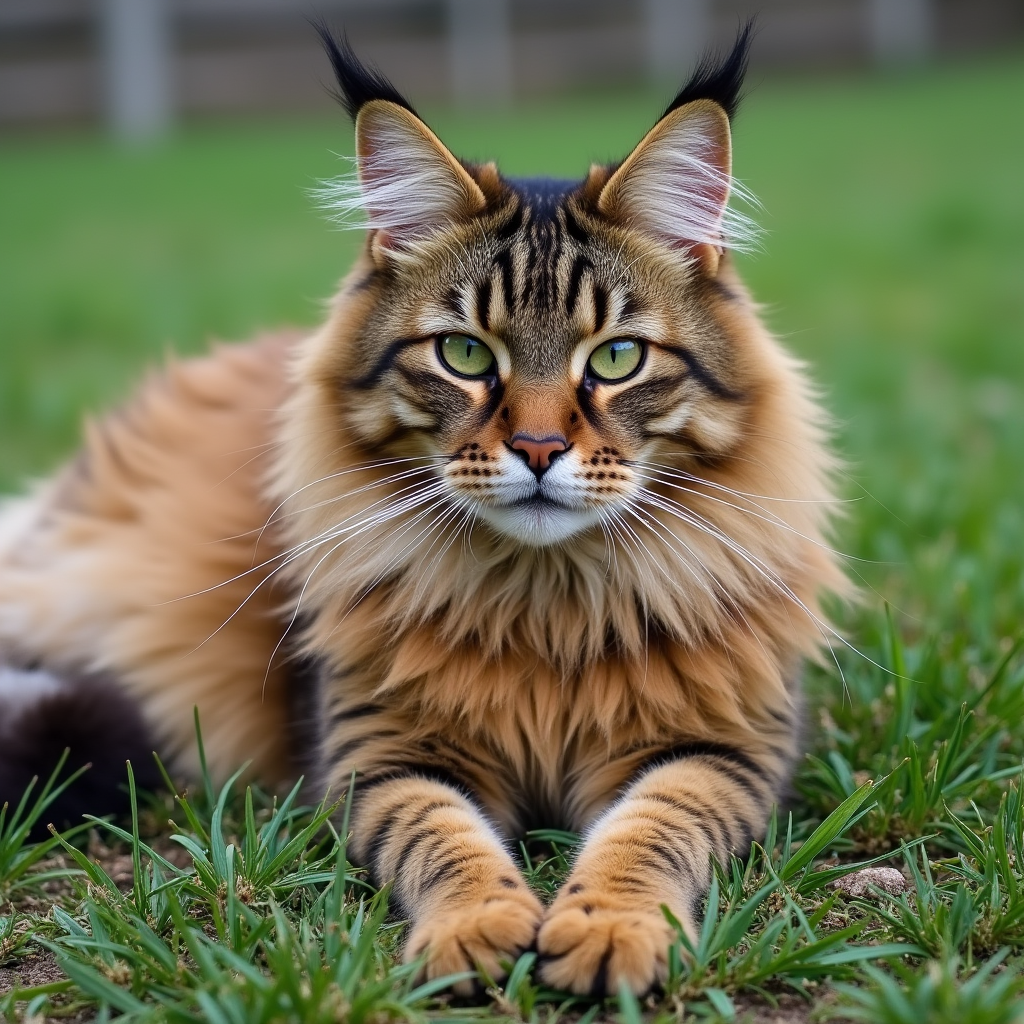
(136,52)
(901,31)
(480,51)
(676,33)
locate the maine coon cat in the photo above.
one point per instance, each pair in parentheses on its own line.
(530,531)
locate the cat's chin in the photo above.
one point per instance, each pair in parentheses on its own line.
(539,522)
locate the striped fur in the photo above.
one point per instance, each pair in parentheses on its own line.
(534,596)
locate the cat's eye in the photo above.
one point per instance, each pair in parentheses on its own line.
(616,359)
(465,355)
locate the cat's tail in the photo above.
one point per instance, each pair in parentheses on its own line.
(42,714)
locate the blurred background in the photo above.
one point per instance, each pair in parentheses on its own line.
(157,157)
(138,64)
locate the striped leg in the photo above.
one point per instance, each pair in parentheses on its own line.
(651,847)
(453,876)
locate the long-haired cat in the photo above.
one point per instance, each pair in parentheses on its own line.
(530,531)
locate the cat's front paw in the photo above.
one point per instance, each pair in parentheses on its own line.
(590,950)
(482,934)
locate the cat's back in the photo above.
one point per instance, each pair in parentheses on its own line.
(195,434)
(148,558)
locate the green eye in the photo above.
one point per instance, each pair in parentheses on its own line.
(616,359)
(465,355)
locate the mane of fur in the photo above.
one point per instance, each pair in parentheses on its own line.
(142,562)
(467,625)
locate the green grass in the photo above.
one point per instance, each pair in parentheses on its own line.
(893,263)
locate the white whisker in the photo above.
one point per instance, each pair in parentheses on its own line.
(288,554)
(758,565)
(383,573)
(309,576)
(701,580)
(359,468)
(669,536)
(346,534)
(765,515)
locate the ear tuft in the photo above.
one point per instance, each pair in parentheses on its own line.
(717,79)
(358,83)
(408,185)
(676,184)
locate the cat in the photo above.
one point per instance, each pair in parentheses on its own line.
(532,531)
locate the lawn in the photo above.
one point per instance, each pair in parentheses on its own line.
(892,261)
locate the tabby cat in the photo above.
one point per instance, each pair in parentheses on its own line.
(529,532)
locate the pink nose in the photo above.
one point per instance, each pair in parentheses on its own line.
(539,452)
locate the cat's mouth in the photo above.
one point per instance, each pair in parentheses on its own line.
(539,500)
(539,520)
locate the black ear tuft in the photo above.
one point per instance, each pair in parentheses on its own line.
(358,83)
(717,79)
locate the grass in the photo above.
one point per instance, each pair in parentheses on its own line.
(892,263)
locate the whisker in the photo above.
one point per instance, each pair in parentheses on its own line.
(382,482)
(343,495)
(383,573)
(846,557)
(675,471)
(379,519)
(359,468)
(687,564)
(617,526)
(764,570)
(734,606)
(305,587)
(287,554)
(769,517)
(611,558)
(457,511)
(620,525)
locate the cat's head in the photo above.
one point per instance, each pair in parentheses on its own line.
(545,342)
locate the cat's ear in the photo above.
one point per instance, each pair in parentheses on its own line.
(411,185)
(676,183)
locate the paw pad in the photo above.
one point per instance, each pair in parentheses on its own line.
(481,934)
(590,951)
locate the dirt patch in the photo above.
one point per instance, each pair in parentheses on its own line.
(791,1010)
(30,970)
(40,969)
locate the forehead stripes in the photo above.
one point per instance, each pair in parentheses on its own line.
(543,244)
(540,264)
(483,304)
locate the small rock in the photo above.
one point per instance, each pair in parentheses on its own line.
(860,883)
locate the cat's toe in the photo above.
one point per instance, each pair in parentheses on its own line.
(591,950)
(482,935)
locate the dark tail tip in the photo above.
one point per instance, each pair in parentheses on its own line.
(100,726)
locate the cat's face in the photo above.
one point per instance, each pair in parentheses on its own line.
(547,361)
(544,417)
(549,346)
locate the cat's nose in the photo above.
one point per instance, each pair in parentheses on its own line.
(539,452)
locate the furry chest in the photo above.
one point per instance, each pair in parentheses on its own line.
(538,748)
